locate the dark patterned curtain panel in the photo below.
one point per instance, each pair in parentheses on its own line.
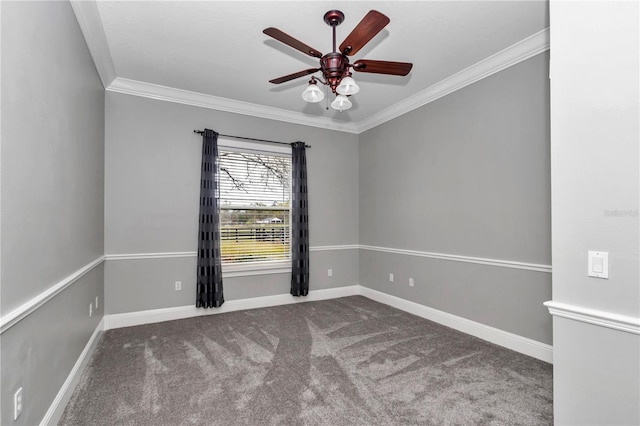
(209,273)
(299,222)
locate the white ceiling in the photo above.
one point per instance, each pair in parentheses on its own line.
(217,48)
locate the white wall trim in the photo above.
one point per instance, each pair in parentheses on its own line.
(503,338)
(596,317)
(168,255)
(467,259)
(88,18)
(167,314)
(508,340)
(15,316)
(512,55)
(179,96)
(330,248)
(443,256)
(141,256)
(231,271)
(63,396)
(258,268)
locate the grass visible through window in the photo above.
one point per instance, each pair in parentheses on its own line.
(254,212)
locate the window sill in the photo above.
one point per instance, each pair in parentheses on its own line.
(255,268)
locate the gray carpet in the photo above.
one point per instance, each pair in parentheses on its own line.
(348,361)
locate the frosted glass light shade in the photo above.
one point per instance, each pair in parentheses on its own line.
(312,93)
(341,103)
(348,86)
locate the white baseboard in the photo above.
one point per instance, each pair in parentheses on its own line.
(503,338)
(56,408)
(179,312)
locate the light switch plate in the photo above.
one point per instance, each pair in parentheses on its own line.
(598,264)
(17,403)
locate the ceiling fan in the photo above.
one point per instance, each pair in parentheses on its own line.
(335,66)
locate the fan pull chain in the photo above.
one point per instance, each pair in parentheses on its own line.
(326,89)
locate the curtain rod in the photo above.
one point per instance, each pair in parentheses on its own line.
(250,139)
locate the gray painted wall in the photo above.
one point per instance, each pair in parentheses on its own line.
(596,171)
(52,198)
(478,165)
(505,298)
(152,171)
(467,175)
(39,352)
(131,281)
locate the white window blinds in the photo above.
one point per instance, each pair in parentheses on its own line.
(255,192)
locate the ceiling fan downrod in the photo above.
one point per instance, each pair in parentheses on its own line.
(334,65)
(333,18)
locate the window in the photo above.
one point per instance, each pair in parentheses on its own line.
(255,193)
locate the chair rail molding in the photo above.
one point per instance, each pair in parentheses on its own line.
(12,318)
(442,256)
(594,316)
(175,254)
(466,259)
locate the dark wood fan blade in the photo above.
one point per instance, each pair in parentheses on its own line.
(382,67)
(290,41)
(293,76)
(371,24)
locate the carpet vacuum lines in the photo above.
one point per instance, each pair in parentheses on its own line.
(346,361)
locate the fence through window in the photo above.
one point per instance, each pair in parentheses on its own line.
(255,194)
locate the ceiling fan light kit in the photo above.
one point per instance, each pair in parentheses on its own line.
(341,103)
(347,86)
(335,66)
(312,93)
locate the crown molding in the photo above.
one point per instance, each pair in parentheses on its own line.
(512,55)
(88,18)
(90,23)
(171,94)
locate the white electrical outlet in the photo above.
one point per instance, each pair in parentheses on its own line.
(330,272)
(90,309)
(17,403)
(178,285)
(411,283)
(96,302)
(390,277)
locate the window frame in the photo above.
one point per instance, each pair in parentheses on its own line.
(243,269)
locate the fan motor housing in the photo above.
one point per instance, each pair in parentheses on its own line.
(334,66)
